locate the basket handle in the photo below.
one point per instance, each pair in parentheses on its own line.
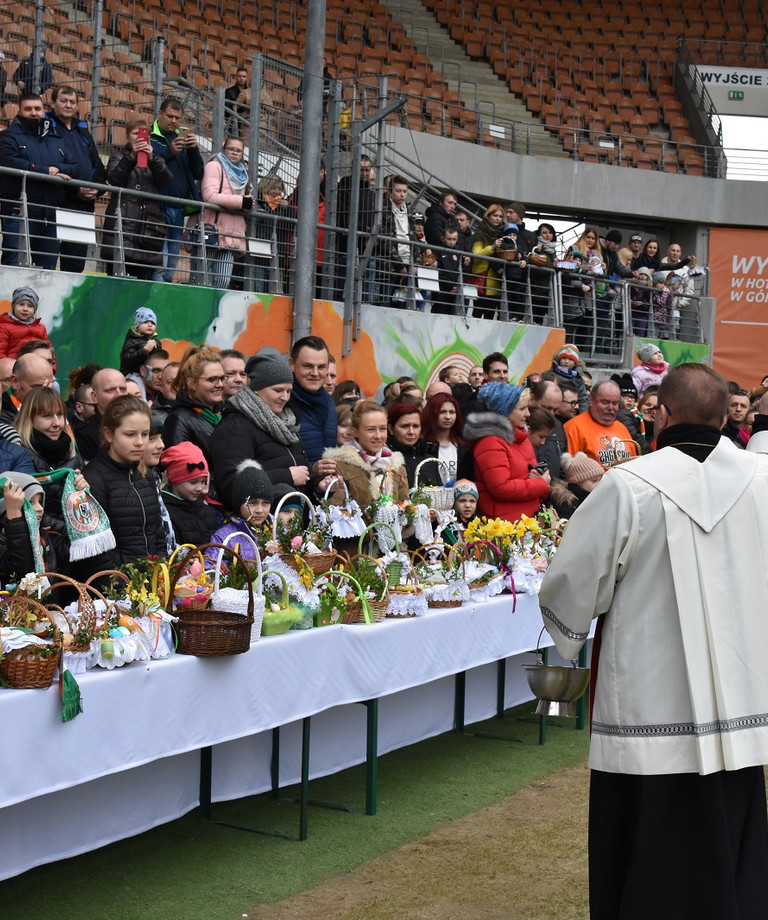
(220,556)
(345,576)
(161,568)
(379,565)
(237,556)
(280,504)
(437,460)
(372,527)
(284,597)
(331,482)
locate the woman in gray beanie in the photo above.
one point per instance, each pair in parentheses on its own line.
(258,424)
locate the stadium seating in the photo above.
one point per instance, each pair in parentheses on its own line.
(585,73)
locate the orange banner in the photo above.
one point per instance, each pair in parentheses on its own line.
(738,261)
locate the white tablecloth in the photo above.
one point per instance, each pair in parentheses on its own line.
(130,761)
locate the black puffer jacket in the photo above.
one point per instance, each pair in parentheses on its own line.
(133,507)
(429,475)
(184,424)
(193,522)
(236,439)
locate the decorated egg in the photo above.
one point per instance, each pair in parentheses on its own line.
(128,622)
(107,648)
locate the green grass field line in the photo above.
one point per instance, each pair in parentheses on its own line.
(192,870)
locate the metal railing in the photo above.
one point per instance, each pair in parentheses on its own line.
(598,313)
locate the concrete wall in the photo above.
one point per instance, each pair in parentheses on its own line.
(592,190)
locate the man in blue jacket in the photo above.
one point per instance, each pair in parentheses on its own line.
(78,144)
(33,144)
(178,147)
(314,407)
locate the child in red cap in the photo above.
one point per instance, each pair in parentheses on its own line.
(184,492)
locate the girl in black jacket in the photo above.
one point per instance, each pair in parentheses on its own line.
(119,484)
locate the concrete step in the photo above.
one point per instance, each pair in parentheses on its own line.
(478,86)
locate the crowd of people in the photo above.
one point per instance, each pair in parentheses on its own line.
(172,449)
(448,256)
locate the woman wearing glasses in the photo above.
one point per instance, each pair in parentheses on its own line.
(225,183)
(196,411)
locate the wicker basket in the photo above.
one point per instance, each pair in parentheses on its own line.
(377,606)
(234,600)
(413,591)
(346,578)
(169,593)
(440,497)
(537,259)
(86,592)
(318,563)
(212,633)
(30,667)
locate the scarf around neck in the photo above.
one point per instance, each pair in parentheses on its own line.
(53,452)
(486,233)
(380,461)
(236,173)
(213,418)
(283,427)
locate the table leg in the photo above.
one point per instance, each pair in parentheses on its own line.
(304,801)
(371,755)
(459,701)
(501,681)
(206,762)
(274,763)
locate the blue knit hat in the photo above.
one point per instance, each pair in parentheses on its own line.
(465,487)
(499,396)
(144,315)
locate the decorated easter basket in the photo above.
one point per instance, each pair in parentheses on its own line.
(407,600)
(344,521)
(236,600)
(279,621)
(30,666)
(317,562)
(356,596)
(377,605)
(177,588)
(210,633)
(441,498)
(441,575)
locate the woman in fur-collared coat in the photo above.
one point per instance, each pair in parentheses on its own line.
(367,465)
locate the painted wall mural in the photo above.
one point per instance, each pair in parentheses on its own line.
(87,317)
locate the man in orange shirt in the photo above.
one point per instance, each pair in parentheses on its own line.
(597,432)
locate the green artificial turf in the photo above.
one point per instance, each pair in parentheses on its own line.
(193,870)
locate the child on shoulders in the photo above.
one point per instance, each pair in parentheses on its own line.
(566,367)
(140,341)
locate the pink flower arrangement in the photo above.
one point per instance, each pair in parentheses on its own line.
(296,544)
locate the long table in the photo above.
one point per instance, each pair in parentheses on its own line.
(131,760)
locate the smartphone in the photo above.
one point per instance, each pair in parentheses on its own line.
(141,157)
(183,131)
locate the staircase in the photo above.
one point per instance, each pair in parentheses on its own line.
(479,87)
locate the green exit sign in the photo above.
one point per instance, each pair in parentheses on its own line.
(735,94)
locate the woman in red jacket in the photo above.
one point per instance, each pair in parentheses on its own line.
(508,483)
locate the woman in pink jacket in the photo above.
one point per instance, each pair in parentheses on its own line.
(226,184)
(508,483)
